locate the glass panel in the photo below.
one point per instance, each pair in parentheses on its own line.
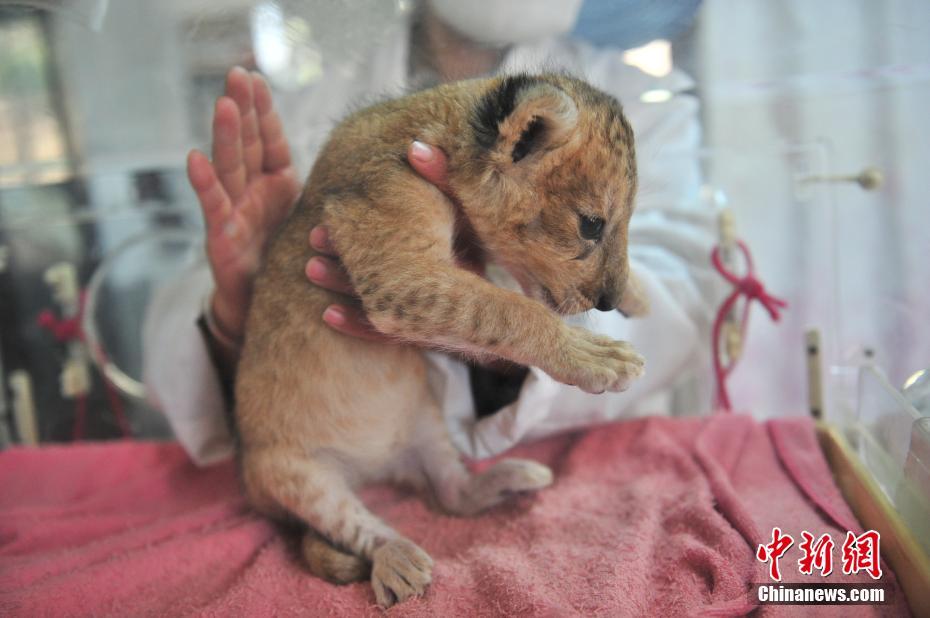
(32,140)
(100,102)
(894,444)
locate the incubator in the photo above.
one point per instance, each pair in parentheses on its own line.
(812,154)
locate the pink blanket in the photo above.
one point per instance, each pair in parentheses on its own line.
(648,517)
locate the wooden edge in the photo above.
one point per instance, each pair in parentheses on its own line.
(898,544)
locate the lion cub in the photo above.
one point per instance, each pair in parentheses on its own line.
(544,171)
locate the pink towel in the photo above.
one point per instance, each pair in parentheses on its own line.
(648,517)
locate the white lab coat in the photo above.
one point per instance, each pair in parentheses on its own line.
(670,241)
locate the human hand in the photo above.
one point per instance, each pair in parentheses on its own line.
(326,271)
(244,192)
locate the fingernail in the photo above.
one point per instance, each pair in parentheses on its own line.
(334,315)
(318,238)
(316,269)
(231,229)
(421,152)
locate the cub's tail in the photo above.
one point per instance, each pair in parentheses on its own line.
(330,563)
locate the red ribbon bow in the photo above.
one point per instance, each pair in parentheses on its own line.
(63,329)
(66,330)
(752,289)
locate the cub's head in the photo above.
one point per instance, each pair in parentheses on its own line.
(549,188)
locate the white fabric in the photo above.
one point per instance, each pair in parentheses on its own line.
(513,22)
(179,375)
(669,247)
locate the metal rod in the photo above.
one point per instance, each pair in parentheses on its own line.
(814,376)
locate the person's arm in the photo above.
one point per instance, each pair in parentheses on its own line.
(245,191)
(194,323)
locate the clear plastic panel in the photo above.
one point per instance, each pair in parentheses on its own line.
(119,294)
(770,378)
(133,231)
(115,107)
(852,75)
(893,441)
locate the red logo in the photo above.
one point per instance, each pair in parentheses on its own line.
(860,553)
(817,555)
(775,550)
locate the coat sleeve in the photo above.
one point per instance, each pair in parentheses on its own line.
(180,377)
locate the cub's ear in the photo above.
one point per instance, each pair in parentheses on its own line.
(521,116)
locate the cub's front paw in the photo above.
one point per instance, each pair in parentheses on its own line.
(596,364)
(399,570)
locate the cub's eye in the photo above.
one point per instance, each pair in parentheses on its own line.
(591,227)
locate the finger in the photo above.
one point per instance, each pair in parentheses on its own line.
(276,154)
(227,148)
(430,163)
(319,240)
(329,275)
(351,321)
(239,89)
(213,200)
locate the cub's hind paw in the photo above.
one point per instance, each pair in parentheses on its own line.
(399,570)
(503,480)
(510,477)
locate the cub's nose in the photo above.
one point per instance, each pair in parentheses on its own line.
(604,303)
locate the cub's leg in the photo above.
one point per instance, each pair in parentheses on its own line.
(315,490)
(412,289)
(331,563)
(461,493)
(437,467)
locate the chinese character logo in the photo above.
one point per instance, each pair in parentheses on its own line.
(817,554)
(860,553)
(773,551)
